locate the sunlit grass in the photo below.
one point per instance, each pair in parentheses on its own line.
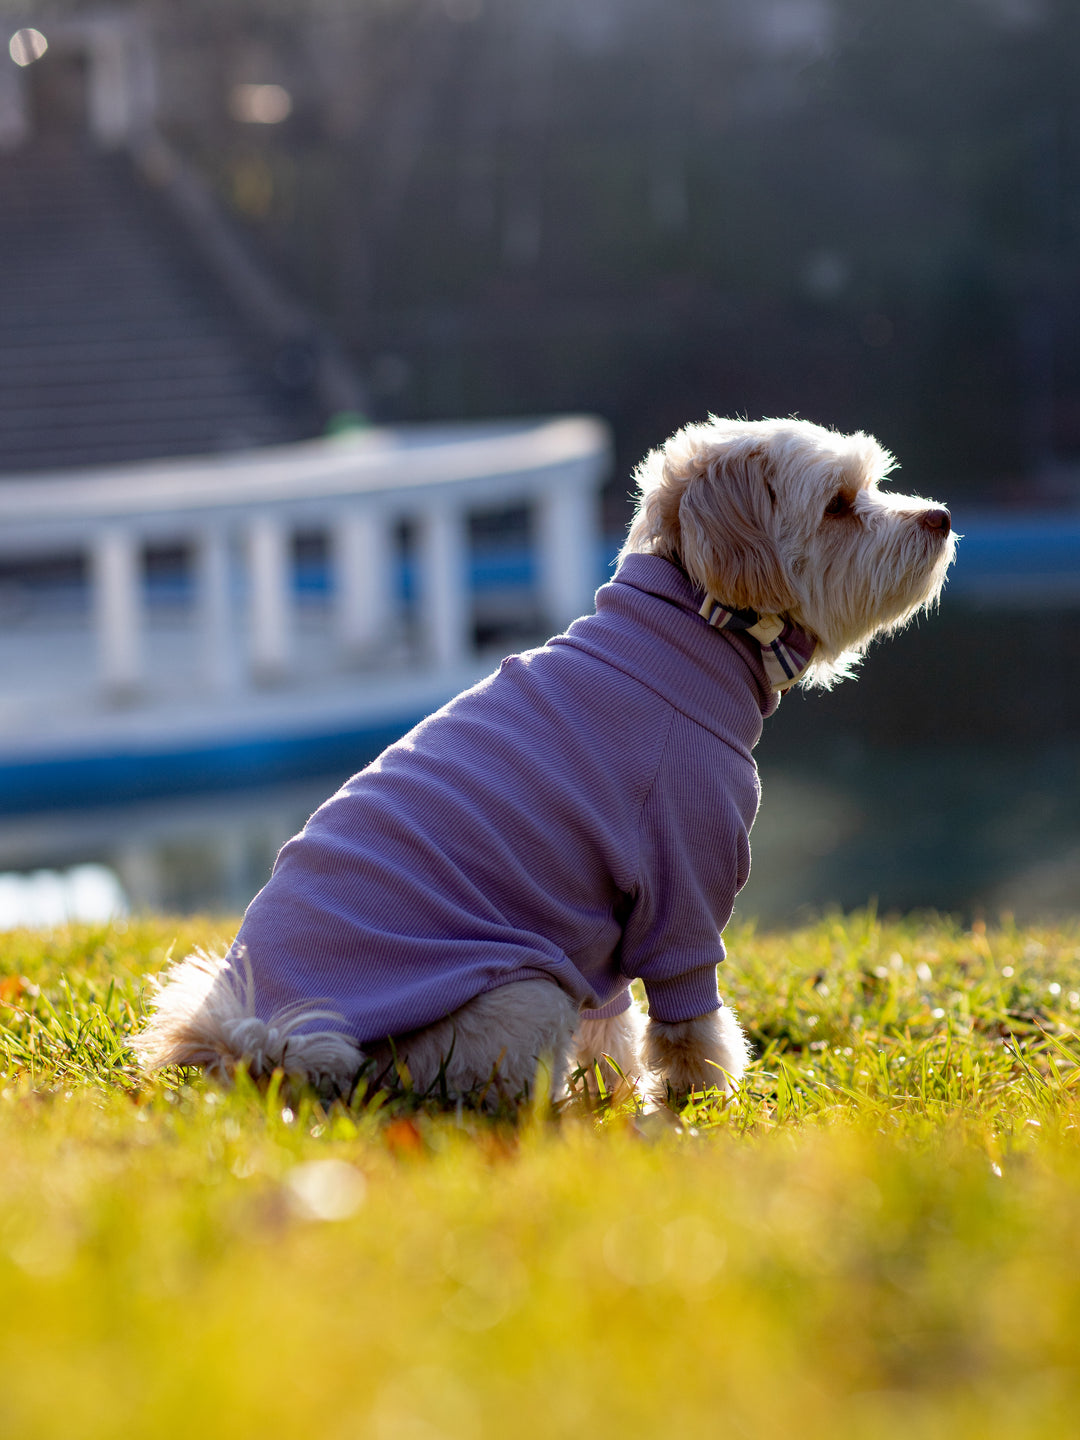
(877,1238)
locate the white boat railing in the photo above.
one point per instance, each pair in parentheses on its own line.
(357,491)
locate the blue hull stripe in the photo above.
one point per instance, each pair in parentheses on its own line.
(68,782)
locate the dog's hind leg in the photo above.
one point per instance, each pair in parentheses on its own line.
(614,1038)
(490,1050)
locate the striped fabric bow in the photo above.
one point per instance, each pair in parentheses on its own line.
(786,651)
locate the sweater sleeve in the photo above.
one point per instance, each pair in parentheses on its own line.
(694,859)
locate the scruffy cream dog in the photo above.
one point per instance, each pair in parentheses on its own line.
(479,898)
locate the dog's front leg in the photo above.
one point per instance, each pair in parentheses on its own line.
(708,1052)
(597,1041)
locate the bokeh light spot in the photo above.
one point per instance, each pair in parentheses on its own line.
(325,1189)
(26,46)
(260,104)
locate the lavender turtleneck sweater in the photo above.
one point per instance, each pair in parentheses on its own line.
(581,816)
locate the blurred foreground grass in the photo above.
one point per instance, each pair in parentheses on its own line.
(879,1238)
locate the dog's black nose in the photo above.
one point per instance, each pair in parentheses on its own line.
(936,520)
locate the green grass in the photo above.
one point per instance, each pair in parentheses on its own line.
(879,1238)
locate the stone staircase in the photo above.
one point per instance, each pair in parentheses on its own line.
(116,343)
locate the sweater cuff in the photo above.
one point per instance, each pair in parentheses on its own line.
(685,997)
(618,1006)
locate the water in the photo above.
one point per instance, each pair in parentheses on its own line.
(977,833)
(962,831)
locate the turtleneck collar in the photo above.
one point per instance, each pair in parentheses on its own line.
(648,624)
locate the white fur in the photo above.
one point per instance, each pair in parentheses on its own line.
(204,1014)
(702,1054)
(740,504)
(745,508)
(490,1050)
(598,1042)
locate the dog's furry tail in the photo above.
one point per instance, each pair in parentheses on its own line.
(204,1015)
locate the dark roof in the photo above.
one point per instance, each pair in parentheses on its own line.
(115,343)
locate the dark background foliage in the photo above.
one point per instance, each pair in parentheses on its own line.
(858,211)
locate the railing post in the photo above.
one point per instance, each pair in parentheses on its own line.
(363,577)
(568,540)
(214,602)
(270,598)
(444,611)
(117,608)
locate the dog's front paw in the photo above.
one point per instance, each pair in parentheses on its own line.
(598,1042)
(710,1052)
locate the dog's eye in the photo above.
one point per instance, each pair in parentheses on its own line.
(838,505)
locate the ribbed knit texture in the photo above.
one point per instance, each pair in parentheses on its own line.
(582,815)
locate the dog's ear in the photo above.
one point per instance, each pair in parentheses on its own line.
(729,529)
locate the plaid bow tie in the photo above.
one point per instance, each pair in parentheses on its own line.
(786,651)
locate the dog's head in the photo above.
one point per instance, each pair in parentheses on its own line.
(786,517)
